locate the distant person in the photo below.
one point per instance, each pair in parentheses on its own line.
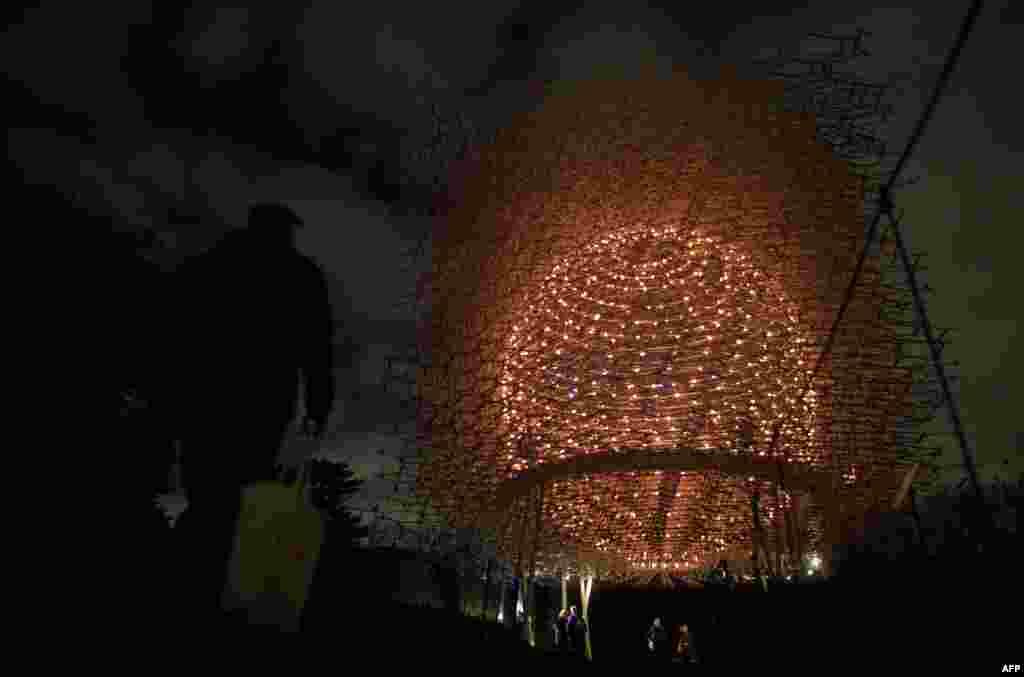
(657,640)
(561,630)
(684,646)
(571,629)
(253,328)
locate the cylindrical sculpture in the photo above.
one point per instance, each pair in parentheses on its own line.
(632,290)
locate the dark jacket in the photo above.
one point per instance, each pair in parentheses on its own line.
(252,318)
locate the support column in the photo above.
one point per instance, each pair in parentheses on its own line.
(531,597)
(759,557)
(521,601)
(501,599)
(667,489)
(565,590)
(754,528)
(518,571)
(830,532)
(522,540)
(790,538)
(777,523)
(779,546)
(799,522)
(830,537)
(529,608)
(586,587)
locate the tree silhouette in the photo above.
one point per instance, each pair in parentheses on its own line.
(332,485)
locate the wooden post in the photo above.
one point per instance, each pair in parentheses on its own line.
(519,566)
(905,486)
(586,586)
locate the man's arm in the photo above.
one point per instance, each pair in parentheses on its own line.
(317,359)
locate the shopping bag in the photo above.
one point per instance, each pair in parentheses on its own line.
(277,546)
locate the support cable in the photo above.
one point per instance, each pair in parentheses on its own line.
(951,405)
(885,207)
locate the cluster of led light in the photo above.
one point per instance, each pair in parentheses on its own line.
(651,339)
(651,265)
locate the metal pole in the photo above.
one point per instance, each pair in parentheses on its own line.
(586,587)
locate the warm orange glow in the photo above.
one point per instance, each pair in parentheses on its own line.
(651,266)
(653,338)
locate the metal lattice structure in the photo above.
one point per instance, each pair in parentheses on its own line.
(647,341)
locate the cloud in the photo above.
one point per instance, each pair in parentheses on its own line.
(603,40)
(360,245)
(139,175)
(69,54)
(368,69)
(225,39)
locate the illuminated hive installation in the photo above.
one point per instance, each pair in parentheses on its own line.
(632,291)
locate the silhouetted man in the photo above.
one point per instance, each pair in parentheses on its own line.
(255,324)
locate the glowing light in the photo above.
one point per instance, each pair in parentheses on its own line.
(658,300)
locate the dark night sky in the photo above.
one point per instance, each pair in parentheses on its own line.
(313,106)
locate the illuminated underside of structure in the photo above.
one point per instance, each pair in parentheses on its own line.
(632,292)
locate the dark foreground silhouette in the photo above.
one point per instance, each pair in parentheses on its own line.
(252,323)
